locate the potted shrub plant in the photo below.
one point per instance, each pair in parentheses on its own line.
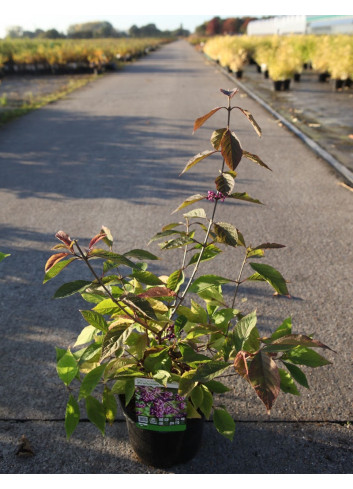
(160,343)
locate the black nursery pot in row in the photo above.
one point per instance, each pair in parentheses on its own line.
(281,85)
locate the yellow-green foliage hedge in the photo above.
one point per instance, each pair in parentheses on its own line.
(94,52)
(283,56)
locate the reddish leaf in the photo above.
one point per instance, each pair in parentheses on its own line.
(299,340)
(241,365)
(158,292)
(251,119)
(264,378)
(64,238)
(217,136)
(95,240)
(229,93)
(201,120)
(231,149)
(53,260)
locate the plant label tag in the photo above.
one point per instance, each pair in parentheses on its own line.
(159,408)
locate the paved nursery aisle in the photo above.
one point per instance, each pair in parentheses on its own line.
(111,154)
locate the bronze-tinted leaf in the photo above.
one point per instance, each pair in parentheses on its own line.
(226,233)
(229,93)
(65,238)
(108,239)
(264,378)
(195,159)
(201,120)
(244,196)
(255,159)
(265,246)
(224,183)
(216,137)
(95,240)
(54,259)
(252,120)
(299,340)
(157,292)
(231,149)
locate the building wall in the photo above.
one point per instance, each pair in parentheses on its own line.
(302,24)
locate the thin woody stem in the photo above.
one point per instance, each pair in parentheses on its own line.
(118,303)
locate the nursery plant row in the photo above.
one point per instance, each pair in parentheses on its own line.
(65,55)
(284,57)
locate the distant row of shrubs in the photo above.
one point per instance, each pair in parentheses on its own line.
(62,55)
(284,56)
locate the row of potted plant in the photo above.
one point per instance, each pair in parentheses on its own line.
(54,55)
(284,57)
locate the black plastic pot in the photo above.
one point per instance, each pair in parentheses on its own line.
(337,84)
(239,74)
(266,75)
(163,449)
(286,84)
(323,77)
(296,77)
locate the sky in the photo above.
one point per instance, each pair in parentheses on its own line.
(122,14)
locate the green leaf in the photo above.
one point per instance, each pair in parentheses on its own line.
(299,340)
(137,343)
(139,305)
(189,355)
(301,355)
(243,330)
(129,390)
(3,256)
(110,343)
(96,320)
(186,384)
(224,423)
(60,352)
(86,335)
(141,255)
(147,278)
(190,200)
(201,120)
(177,243)
(244,196)
(284,329)
(67,368)
(207,281)
(255,159)
(90,381)
(209,253)
(196,159)
(216,137)
(216,387)
(107,306)
(191,412)
(231,149)
(207,371)
(163,377)
(113,257)
(158,361)
(199,213)
(197,396)
(226,233)
(72,416)
(96,413)
(110,405)
(225,183)
(297,374)
(207,402)
(272,276)
(92,352)
(167,232)
(56,269)
(264,377)
(287,383)
(175,280)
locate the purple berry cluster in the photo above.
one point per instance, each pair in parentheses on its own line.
(170,334)
(212,196)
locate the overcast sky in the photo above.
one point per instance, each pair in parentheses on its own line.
(122,14)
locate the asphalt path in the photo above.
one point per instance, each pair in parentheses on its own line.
(110,154)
